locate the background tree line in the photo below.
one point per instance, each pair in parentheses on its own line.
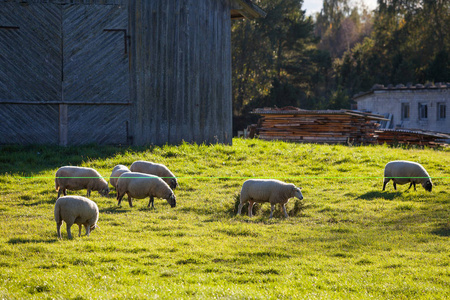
(320,62)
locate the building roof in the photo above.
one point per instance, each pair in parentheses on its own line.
(402,87)
(428,133)
(247,9)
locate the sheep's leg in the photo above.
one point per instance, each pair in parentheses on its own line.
(250,208)
(284,210)
(88,229)
(151,202)
(272,207)
(119,198)
(410,185)
(69,234)
(241,204)
(88,192)
(58,229)
(63,191)
(130,200)
(384,183)
(395,186)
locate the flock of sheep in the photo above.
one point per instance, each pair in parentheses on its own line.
(146,179)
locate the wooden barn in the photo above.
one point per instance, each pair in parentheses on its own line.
(117,71)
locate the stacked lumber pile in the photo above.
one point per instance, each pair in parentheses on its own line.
(411,137)
(319,126)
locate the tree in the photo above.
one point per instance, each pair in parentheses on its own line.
(271,56)
(408,45)
(340,27)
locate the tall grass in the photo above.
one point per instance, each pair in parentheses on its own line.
(346,239)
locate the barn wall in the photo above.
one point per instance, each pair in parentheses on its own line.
(64,76)
(115,71)
(181,67)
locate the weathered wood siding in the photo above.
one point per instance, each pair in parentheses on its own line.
(72,55)
(181,66)
(30,52)
(115,71)
(29,124)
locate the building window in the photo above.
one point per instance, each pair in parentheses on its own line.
(423,111)
(405,111)
(442,111)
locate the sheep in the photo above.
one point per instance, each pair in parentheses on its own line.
(402,172)
(116,172)
(267,190)
(140,186)
(159,170)
(76,210)
(77,178)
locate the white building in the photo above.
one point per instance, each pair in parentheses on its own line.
(413,107)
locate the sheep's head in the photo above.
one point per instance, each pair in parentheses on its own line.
(173,183)
(93,227)
(104,192)
(298,193)
(172,200)
(427,185)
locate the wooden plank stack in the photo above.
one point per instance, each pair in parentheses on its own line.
(411,137)
(320,126)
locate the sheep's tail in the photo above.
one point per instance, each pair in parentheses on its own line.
(56,184)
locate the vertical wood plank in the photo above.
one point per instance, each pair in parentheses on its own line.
(63,125)
(182,90)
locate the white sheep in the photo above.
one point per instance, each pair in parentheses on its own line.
(76,210)
(140,186)
(159,170)
(267,190)
(116,172)
(402,172)
(78,178)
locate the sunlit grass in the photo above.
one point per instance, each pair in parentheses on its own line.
(346,239)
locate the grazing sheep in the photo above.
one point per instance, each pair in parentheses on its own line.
(140,186)
(78,178)
(402,172)
(267,190)
(76,210)
(155,169)
(116,172)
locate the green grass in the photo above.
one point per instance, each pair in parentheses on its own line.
(346,240)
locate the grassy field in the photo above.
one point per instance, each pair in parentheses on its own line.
(346,240)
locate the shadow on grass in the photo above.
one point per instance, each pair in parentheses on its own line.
(27,160)
(204,211)
(379,194)
(31,241)
(40,202)
(444,230)
(113,210)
